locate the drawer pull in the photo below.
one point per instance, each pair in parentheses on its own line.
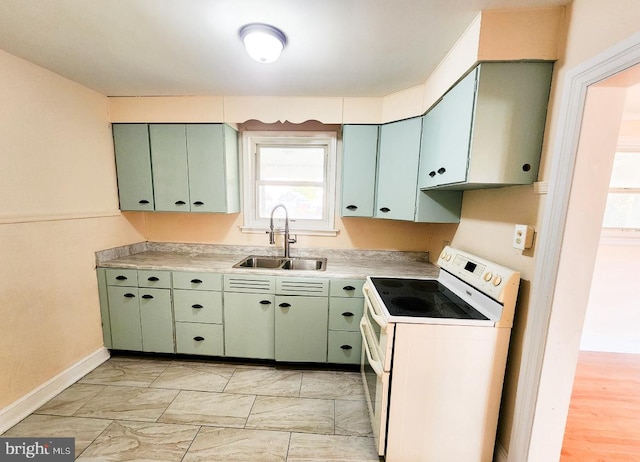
(180,203)
(346,347)
(129,295)
(284,305)
(198,203)
(197,306)
(352,207)
(198,338)
(196,281)
(147,296)
(153,279)
(349,288)
(121,278)
(441,170)
(265,302)
(385,210)
(143,201)
(432,173)
(348,314)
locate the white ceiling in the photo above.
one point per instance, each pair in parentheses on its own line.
(191,47)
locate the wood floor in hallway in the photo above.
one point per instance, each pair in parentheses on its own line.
(604,415)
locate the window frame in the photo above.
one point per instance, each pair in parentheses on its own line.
(250,142)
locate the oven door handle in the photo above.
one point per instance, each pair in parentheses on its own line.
(375,364)
(377,317)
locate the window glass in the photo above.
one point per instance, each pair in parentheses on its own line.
(623,201)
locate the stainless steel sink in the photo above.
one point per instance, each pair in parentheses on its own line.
(292,263)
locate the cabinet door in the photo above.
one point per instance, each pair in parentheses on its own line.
(133,163)
(301,329)
(249,325)
(446,136)
(207,182)
(398,169)
(156,320)
(170,172)
(124,312)
(359,161)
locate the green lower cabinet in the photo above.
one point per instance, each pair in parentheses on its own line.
(197,306)
(249,325)
(301,329)
(199,339)
(156,320)
(124,311)
(344,347)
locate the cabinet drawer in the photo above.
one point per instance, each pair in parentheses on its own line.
(153,278)
(345,313)
(199,339)
(346,288)
(344,347)
(122,277)
(302,286)
(249,283)
(197,306)
(200,281)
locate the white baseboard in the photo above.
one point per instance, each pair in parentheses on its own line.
(18,410)
(609,344)
(501,454)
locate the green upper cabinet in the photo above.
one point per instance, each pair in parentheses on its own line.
(178,167)
(398,169)
(487,130)
(133,163)
(170,167)
(359,160)
(212,153)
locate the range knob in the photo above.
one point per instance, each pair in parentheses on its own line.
(487,276)
(445,256)
(497,280)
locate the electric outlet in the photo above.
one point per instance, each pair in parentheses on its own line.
(523,237)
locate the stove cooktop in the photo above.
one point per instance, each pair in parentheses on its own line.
(422,298)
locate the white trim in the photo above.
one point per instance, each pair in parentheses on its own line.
(301,232)
(616,59)
(37,217)
(610,344)
(18,410)
(614,236)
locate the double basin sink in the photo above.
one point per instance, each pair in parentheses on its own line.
(282,263)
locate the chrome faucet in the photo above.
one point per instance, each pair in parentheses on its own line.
(287,240)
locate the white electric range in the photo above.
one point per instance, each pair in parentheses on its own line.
(434,355)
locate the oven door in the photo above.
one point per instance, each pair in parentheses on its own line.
(376,385)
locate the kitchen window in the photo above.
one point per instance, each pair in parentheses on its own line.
(296,169)
(623,201)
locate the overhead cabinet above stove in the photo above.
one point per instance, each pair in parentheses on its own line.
(487,130)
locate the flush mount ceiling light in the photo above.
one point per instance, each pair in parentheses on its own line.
(263,42)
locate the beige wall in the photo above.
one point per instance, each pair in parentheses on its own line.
(58,204)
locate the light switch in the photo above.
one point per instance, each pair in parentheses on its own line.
(523,237)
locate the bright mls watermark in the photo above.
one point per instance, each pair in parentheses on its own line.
(37,449)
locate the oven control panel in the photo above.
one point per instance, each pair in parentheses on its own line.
(498,282)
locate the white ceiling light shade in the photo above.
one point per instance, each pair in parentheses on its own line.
(263,42)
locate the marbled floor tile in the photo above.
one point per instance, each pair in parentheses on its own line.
(141,441)
(292,414)
(267,381)
(194,376)
(38,426)
(128,403)
(332,385)
(311,448)
(70,400)
(236,444)
(352,418)
(127,372)
(208,408)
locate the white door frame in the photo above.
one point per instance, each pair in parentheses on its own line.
(576,82)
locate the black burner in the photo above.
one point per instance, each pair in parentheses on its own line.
(422,298)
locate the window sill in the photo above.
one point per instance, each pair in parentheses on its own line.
(300,232)
(618,236)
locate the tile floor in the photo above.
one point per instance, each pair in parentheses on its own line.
(153,409)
